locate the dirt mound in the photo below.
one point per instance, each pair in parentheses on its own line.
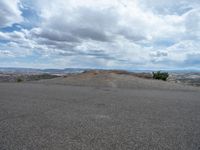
(116,79)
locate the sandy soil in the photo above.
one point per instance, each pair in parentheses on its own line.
(99,112)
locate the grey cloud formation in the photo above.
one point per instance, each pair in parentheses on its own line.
(133,35)
(88,33)
(85,24)
(159,54)
(116,33)
(91,53)
(58,36)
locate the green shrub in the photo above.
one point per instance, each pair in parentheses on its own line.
(160,75)
(19,80)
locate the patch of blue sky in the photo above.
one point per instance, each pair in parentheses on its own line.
(33,58)
(14,27)
(31,19)
(164,43)
(3,41)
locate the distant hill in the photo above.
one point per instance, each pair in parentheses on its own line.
(41,71)
(28,74)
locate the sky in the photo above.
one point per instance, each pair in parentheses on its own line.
(106,34)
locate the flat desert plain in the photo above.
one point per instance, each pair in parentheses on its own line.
(103,111)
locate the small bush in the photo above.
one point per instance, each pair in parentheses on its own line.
(160,75)
(19,80)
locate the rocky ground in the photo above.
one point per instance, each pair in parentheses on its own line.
(192,78)
(22,77)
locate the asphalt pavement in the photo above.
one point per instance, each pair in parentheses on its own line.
(60,117)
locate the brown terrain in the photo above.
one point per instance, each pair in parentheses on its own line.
(115,79)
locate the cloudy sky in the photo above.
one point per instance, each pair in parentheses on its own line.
(117,34)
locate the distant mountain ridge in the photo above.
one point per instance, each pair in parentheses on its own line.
(39,71)
(77,70)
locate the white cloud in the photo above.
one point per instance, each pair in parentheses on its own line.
(192,24)
(10,12)
(6,53)
(169,7)
(126,33)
